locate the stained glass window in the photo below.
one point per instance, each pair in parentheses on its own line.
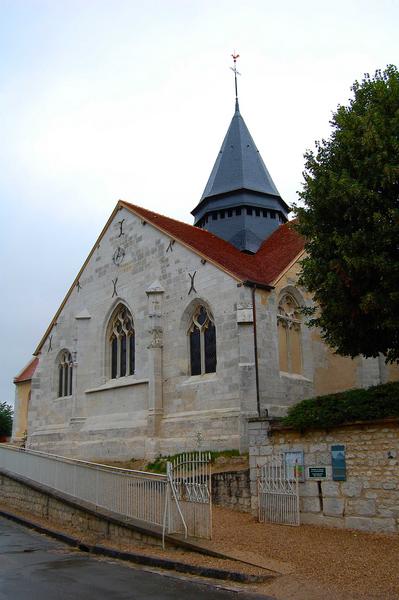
(289,333)
(202,333)
(122,344)
(65,374)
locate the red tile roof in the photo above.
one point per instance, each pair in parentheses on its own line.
(27,373)
(275,254)
(262,268)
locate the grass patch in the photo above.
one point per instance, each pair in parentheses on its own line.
(159,464)
(325,412)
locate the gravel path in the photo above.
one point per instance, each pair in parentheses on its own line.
(327,562)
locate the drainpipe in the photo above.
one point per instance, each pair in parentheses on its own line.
(253,287)
(256,349)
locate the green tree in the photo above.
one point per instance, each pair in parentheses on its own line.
(350,219)
(6,414)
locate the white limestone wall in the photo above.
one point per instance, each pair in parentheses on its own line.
(110,418)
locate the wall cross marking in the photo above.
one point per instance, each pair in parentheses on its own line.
(121,232)
(170,247)
(50,340)
(114,281)
(192,286)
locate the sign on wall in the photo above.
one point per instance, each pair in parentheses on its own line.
(338,461)
(317,472)
(295,464)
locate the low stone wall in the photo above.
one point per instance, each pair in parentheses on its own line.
(35,502)
(368,499)
(231,489)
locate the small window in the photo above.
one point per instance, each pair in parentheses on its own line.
(222,214)
(238,212)
(272,214)
(249,210)
(122,344)
(202,335)
(264,213)
(230,212)
(214,216)
(289,333)
(65,374)
(257,212)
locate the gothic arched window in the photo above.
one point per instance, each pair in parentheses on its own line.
(65,374)
(122,343)
(202,334)
(289,334)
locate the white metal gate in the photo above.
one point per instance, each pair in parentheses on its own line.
(190,483)
(278,493)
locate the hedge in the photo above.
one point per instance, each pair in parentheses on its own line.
(325,412)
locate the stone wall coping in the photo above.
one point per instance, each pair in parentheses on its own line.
(262,420)
(238,472)
(277,425)
(117,383)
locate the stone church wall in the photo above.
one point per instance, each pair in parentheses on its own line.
(160,409)
(368,498)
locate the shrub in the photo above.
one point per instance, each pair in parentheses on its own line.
(325,412)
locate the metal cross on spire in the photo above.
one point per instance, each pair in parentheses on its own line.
(234,69)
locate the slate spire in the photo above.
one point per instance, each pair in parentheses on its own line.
(240,202)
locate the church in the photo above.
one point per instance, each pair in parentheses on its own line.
(173,335)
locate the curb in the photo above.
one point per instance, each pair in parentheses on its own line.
(141,559)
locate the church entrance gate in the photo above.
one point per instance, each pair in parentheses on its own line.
(278,492)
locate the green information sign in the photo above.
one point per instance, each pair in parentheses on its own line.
(317,472)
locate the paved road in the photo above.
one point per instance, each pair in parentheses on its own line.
(35,567)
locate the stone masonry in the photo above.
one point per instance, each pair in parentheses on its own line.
(231,490)
(367,500)
(162,409)
(44,505)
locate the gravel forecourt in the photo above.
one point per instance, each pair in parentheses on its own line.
(325,564)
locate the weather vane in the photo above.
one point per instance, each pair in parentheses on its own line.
(234,69)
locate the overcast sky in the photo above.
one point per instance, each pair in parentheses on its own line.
(101,100)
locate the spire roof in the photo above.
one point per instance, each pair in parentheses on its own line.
(239,164)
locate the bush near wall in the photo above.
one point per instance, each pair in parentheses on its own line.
(325,412)
(6,414)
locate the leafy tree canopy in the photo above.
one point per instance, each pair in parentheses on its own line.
(350,219)
(6,414)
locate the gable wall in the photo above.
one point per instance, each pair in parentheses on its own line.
(103,419)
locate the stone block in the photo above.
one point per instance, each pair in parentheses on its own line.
(333,507)
(330,488)
(322,520)
(389,485)
(352,488)
(321,447)
(309,504)
(362,507)
(382,525)
(308,488)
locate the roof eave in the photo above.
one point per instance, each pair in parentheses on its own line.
(258,285)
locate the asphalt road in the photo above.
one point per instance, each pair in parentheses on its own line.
(35,567)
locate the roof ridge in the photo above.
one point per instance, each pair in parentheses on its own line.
(156,214)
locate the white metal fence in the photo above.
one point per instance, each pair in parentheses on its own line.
(278,493)
(190,482)
(148,497)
